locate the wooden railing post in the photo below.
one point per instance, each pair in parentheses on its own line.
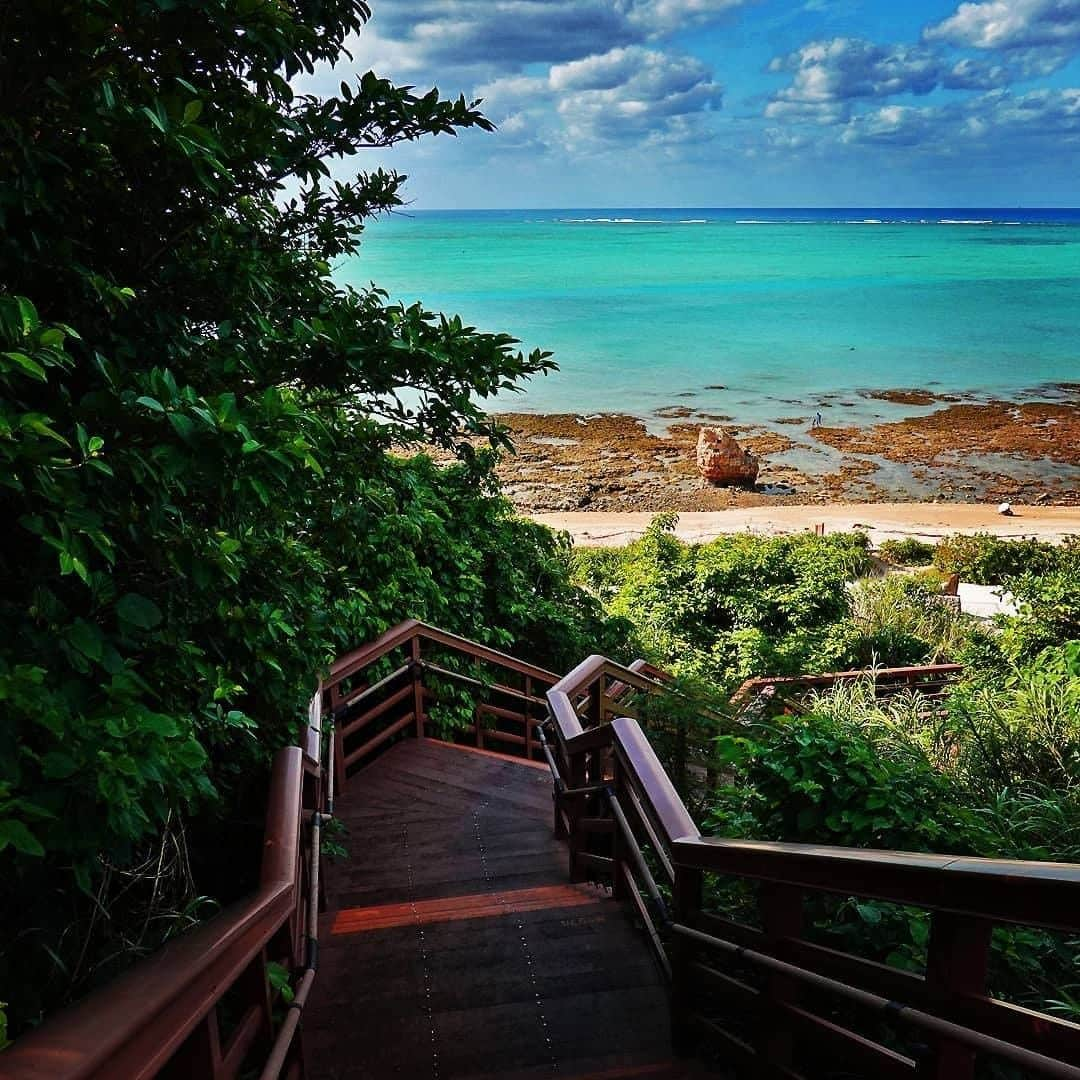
(685,904)
(333,701)
(574,810)
(781,918)
(956,963)
(526,710)
(418,686)
(618,842)
(200,1053)
(596,703)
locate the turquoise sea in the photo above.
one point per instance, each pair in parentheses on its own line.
(776,311)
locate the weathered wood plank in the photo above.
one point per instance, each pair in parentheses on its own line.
(461,948)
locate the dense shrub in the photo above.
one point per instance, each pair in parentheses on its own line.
(984,559)
(907,552)
(1049,610)
(895,621)
(823,779)
(1022,730)
(996,774)
(736,606)
(200,505)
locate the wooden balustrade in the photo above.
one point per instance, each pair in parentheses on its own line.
(930,680)
(782,1005)
(508,705)
(163,1017)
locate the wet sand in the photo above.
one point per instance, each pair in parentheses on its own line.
(882,521)
(942,450)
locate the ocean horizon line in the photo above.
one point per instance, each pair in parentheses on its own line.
(733,208)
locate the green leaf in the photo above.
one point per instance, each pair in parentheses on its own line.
(56,765)
(869,913)
(150,403)
(20,837)
(153,118)
(37,423)
(138,611)
(192,110)
(86,638)
(158,724)
(28,314)
(31,367)
(182,425)
(190,754)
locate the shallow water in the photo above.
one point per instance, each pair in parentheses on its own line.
(794,313)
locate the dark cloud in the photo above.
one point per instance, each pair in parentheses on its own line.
(509,34)
(506,34)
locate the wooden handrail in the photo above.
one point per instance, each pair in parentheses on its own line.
(163,1012)
(132,1027)
(641,765)
(405,632)
(585,677)
(1038,894)
(369,718)
(901,676)
(613,762)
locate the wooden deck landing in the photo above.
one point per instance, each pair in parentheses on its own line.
(455,947)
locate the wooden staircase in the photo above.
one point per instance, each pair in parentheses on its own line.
(454,945)
(525,898)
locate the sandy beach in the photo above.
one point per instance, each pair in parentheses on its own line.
(881,521)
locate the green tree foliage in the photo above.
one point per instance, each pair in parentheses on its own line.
(908,552)
(200,504)
(984,559)
(737,606)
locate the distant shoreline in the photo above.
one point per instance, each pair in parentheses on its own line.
(884,521)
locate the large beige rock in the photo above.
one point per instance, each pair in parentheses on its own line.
(722,460)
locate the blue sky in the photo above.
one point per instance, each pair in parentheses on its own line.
(737,102)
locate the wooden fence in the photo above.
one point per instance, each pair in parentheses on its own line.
(203,1006)
(785,1006)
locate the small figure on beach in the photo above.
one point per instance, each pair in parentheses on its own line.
(1005,509)
(817,420)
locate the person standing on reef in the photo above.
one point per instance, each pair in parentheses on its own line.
(817,421)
